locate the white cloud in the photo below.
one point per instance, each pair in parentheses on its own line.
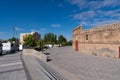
(18,29)
(41,30)
(94,4)
(79,3)
(99,16)
(112,3)
(111,13)
(56,25)
(96,12)
(82,4)
(105,22)
(84,15)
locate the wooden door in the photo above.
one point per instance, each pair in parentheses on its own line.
(76,45)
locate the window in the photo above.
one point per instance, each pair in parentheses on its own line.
(86,37)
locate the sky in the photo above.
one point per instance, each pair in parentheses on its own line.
(56,16)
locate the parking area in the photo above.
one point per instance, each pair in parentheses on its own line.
(79,66)
(11,67)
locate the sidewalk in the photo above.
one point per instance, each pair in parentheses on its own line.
(11,67)
(37,67)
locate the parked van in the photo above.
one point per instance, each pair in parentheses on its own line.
(9,47)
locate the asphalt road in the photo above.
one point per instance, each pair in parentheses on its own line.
(11,67)
(79,66)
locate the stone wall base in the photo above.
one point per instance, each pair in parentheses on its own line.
(109,50)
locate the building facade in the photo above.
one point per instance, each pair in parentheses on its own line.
(102,40)
(35,35)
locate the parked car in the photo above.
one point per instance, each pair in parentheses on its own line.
(49,45)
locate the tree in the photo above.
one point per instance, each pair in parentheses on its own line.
(13,39)
(40,43)
(69,43)
(55,39)
(29,41)
(62,40)
(50,38)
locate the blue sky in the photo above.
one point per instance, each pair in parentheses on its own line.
(57,16)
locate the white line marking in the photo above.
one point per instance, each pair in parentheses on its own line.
(10,64)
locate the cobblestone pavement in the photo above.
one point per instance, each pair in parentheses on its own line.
(79,66)
(11,67)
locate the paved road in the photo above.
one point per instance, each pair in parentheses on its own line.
(11,67)
(78,66)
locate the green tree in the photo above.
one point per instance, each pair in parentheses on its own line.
(40,43)
(13,39)
(69,43)
(62,40)
(55,39)
(29,41)
(50,38)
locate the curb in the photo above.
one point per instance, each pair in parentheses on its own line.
(25,68)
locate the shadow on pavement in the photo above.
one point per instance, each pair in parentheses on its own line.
(48,60)
(47,53)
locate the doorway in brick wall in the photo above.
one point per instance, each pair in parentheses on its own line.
(76,45)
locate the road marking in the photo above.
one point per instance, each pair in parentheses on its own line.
(10,64)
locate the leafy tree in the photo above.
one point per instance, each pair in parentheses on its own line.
(62,40)
(50,38)
(40,43)
(29,41)
(55,39)
(0,42)
(69,43)
(13,39)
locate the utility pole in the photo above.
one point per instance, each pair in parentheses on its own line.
(13,31)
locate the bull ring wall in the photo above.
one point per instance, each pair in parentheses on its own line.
(101,41)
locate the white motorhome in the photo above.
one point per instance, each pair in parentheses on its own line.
(9,47)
